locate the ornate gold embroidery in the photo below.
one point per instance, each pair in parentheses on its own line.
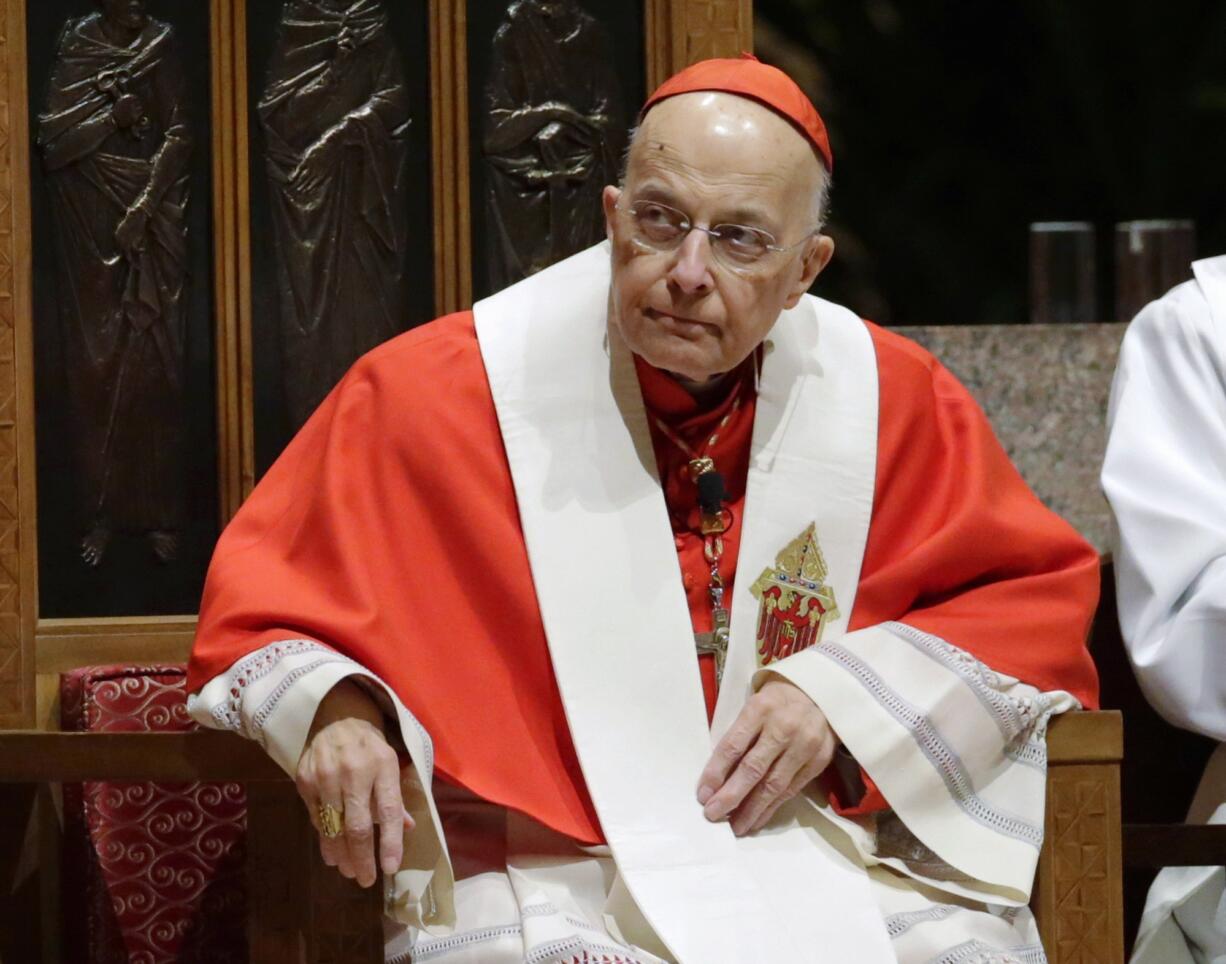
(794,600)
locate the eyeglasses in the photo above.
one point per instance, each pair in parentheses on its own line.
(737,246)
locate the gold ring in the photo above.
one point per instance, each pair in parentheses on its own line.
(331,821)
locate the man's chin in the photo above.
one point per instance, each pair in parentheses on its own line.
(676,360)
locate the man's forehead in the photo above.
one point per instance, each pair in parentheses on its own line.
(726,114)
(715,135)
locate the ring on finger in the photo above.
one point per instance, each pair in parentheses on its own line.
(331,820)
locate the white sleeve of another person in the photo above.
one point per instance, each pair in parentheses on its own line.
(1165,477)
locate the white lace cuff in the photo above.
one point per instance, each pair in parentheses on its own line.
(271,696)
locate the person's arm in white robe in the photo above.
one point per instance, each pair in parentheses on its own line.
(1165,477)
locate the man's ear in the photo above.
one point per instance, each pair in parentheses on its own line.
(818,252)
(608,200)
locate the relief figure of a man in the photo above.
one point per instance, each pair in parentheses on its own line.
(335,116)
(553,136)
(116,147)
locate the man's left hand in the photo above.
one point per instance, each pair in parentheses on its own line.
(319,160)
(778,743)
(130,232)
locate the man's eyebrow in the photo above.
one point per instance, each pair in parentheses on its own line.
(743,213)
(749,214)
(655,191)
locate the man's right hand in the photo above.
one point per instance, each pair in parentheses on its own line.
(349,764)
(127,110)
(319,160)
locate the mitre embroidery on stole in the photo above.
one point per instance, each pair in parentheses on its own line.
(794,601)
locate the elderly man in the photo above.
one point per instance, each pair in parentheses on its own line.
(502,539)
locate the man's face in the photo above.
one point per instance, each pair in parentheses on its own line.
(720,159)
(126,13)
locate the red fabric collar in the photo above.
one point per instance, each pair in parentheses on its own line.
(665,397)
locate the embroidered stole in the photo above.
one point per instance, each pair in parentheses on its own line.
(615,614)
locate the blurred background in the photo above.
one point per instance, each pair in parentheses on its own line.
(956,125)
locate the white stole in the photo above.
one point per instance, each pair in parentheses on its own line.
(615,613)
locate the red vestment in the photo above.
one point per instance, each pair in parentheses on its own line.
(389,530)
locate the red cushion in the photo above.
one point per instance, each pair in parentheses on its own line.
(152,872)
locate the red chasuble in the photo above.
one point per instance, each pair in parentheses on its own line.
(389,530)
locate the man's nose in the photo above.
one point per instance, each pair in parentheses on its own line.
(691,268)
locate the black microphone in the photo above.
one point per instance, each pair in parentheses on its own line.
(711,492)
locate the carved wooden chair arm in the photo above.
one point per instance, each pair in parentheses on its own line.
(1078,897)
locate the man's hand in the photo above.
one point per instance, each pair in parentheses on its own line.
(778,743)
(318,161)
(349,765)
(130,232)
(127,110)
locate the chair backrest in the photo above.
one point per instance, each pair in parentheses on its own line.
(1045,389)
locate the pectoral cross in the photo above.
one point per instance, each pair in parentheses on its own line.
(716,641)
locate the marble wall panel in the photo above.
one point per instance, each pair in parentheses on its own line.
(1045,389)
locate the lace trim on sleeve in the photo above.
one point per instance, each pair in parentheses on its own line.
(977,952)
(242,714)
(941,756)
(255,667)
(1021,717)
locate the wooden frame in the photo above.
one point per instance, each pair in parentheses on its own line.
(18,533)
(679,33)
(74,642)
(232,269)
(449,206)
(453,280)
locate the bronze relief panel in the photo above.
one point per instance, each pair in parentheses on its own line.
(120,166)
(553,86)
(339,175)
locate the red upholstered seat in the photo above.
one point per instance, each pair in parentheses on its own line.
(152,872)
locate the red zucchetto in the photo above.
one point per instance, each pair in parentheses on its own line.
(746,76)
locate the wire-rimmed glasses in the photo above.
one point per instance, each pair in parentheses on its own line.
(739,247)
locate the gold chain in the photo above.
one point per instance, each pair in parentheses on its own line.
(700,462)
(715,436)
(713,527)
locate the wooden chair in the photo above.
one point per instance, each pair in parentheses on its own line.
(299,910)
(302,911)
